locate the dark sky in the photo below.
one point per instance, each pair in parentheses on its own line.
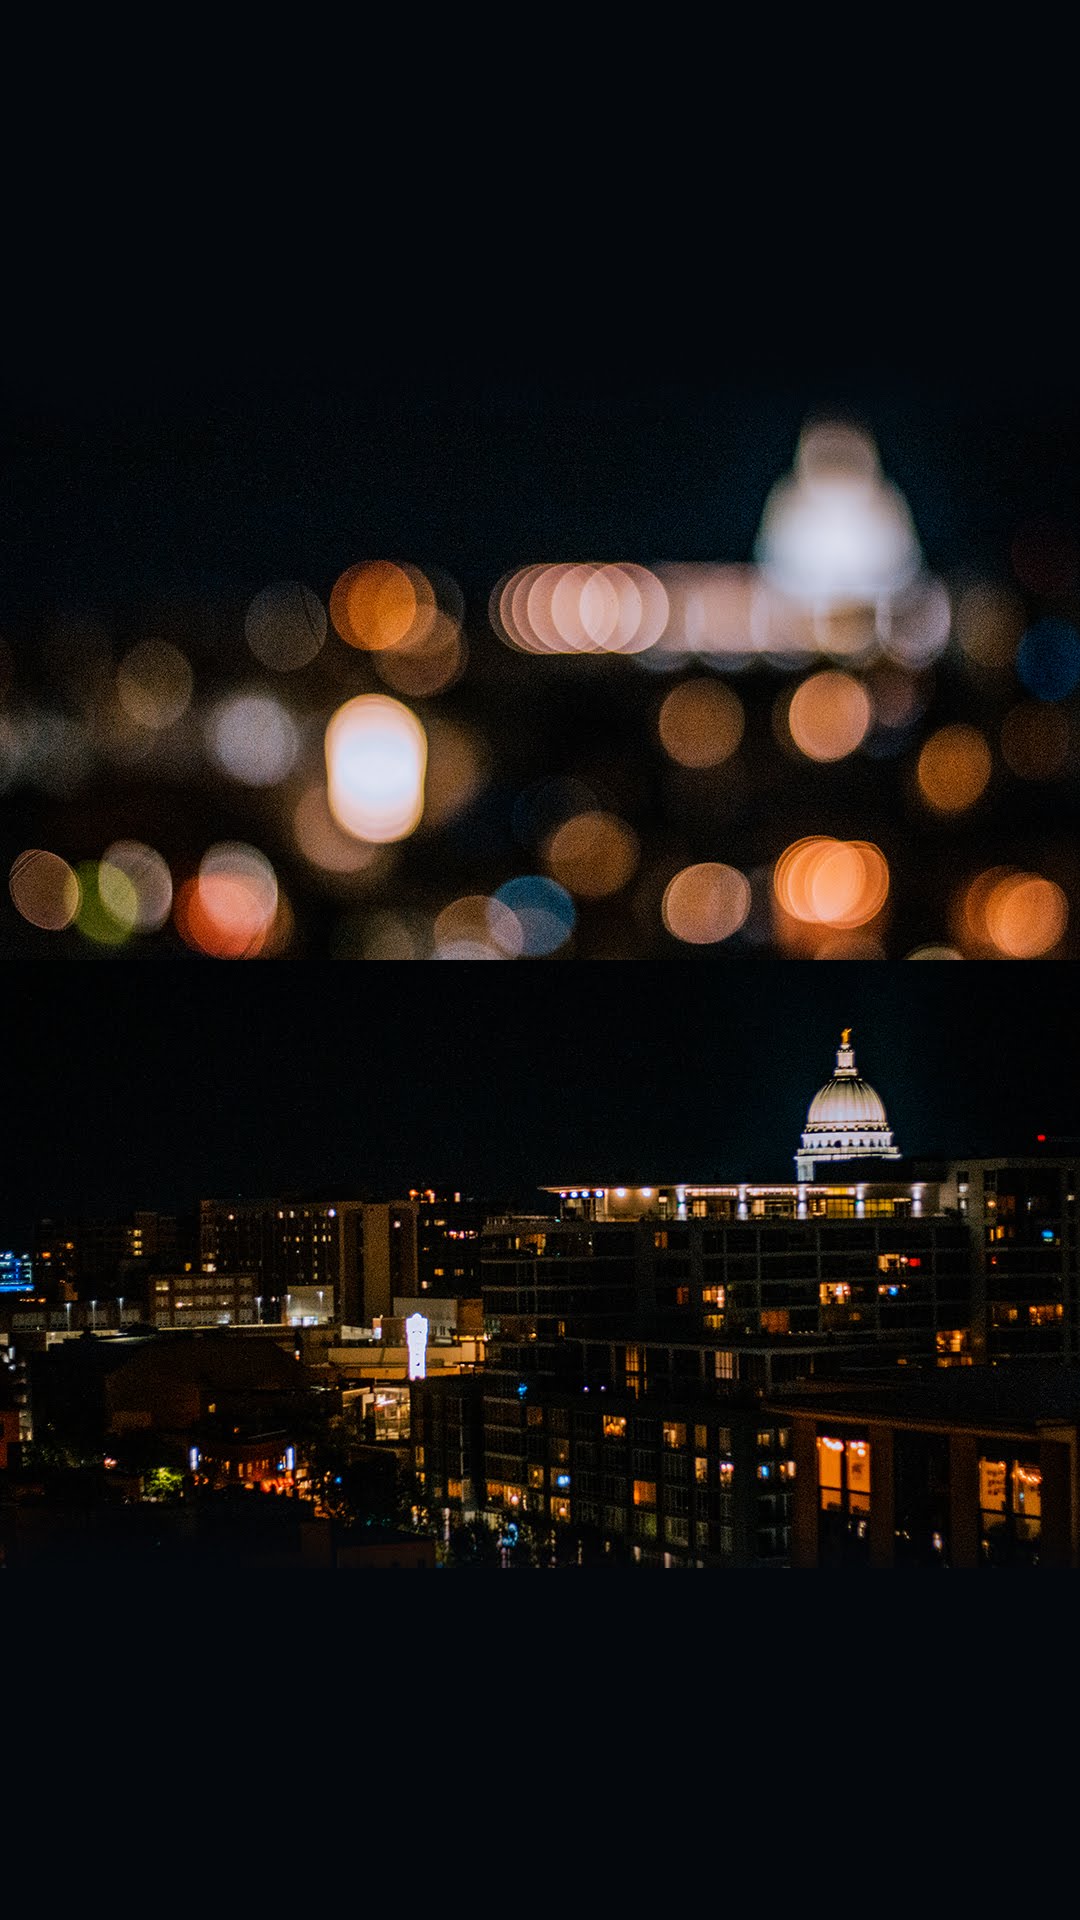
(155,1085)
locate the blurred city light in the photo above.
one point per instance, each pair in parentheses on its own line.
(153,683)
(478,927)
(376,755)
(253,739)
(228,909)
(953,768)
(701,722)
(544,912)
(285,626)
(829,715)
(45,889)
(135,885)
(707,903)
(826,753)
(592,854)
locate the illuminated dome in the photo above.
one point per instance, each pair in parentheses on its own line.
(846,1120)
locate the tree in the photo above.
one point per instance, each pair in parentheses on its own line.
(163,1484)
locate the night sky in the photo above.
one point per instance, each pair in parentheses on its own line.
(155,1086)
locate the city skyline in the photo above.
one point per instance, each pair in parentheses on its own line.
(189,1083)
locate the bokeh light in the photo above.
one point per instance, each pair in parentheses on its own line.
(838,883)
(134,879)
(989,622)
(579,608)
(915,628)
(376,756)
(253,739)
(829,715)
(1048,659)
(592,854)
(228,909)
(106,920)
(153,684)
(384,936)
(1025,915)
(544,911)
(954,768)
(706,903)
(715,611)
(478,927)
(701,723)
(285,626)
(45,889)
(381,603)
(1035,740)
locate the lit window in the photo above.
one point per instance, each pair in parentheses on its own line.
(614,1426)
(674,1433)
(644,1493)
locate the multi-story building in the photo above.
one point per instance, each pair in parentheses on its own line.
(82,1259)
(685,1303)
(1020,1214)
(447,1435)
(292,1246)
(448,1228)
(969,1468)
(198,1298)
(345,1260)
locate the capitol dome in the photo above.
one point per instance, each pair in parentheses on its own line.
(845,1102)
(846,1120)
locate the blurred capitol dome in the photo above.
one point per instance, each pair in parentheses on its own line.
(835,533)
(846,1120)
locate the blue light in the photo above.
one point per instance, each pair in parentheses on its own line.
(16,1273)
(1048,1233)
(545,911)
(562,1479)
(522,1389)
(1048,659)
